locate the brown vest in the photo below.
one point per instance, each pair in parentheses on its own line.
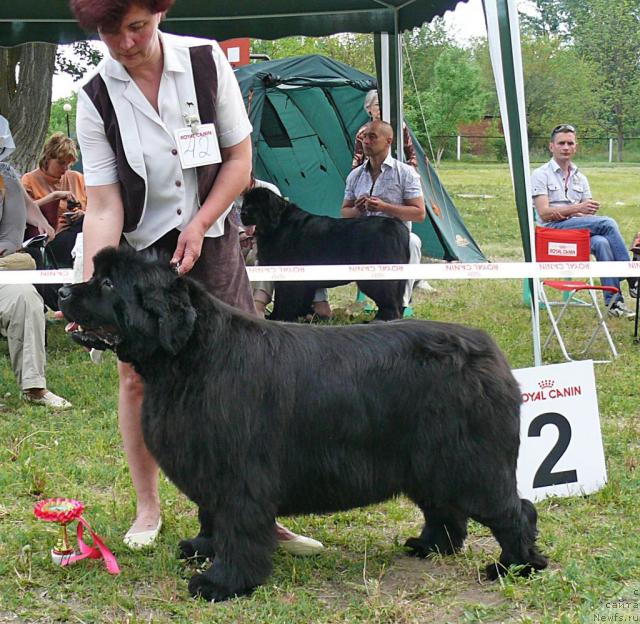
(132,186)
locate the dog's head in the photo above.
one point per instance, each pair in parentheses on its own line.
(133,305)
(264,209)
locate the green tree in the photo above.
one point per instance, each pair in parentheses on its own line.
(607,33)
(58,117)
(560,87)
(26,73)
(25,97)
(353,49)
(454,97)
(422,48)
(550,18)
(84,56)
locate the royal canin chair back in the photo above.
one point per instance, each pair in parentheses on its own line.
(570,246)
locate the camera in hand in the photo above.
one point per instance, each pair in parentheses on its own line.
(72,204)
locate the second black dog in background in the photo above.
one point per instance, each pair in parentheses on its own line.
(288,235)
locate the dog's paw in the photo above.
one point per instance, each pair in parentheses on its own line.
(420,548)
(201,586)
(417,548)
(198,549)
(494,571)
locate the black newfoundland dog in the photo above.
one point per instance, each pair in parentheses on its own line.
(254,419)
(288,235)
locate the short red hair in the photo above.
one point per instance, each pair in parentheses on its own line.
(107,14)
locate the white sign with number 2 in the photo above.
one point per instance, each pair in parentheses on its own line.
(561,452)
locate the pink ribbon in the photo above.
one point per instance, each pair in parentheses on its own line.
(98,551)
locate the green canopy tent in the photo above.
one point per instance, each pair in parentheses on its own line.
(305,112)
(47,20)
(51,20)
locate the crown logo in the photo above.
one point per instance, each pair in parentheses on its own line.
(546,383)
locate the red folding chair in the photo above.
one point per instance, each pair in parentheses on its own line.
(570,246)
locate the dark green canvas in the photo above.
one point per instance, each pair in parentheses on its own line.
(305,113)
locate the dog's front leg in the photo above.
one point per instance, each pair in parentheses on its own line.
(245,540)
(201,546)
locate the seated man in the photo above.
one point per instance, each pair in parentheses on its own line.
(563,200)
(21,307)
(384,186)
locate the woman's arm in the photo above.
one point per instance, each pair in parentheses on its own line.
(35,217)
(103,222)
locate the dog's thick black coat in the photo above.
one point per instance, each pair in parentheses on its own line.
(254,419)
(288,235)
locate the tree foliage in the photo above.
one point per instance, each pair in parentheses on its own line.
(83,56)
(422,48)
(605,35)
(353,49)
(59,117)
(551,18)
(553,93)
(454,96)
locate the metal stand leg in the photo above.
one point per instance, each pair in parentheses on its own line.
(635,321)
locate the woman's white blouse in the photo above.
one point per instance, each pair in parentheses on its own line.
(148,136)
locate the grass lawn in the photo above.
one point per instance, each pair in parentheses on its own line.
(363,575)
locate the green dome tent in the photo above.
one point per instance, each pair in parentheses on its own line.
(305,113)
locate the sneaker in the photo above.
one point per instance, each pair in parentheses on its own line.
(620,310)
(48,399)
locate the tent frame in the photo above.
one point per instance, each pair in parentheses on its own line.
(43,20)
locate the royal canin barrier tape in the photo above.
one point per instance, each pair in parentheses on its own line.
(352,272)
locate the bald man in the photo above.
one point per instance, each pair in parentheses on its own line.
(384,186)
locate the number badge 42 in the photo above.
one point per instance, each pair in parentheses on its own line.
(198,148)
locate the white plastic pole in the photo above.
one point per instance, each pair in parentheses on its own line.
(458,145)
(610,150)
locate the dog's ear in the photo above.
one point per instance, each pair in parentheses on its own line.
(273,209)
(171,305)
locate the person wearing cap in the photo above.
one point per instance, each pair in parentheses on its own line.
(562,200)
(22,319)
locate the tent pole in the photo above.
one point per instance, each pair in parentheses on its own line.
(388,52)
(506,59)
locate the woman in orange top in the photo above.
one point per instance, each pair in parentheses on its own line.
(60,194)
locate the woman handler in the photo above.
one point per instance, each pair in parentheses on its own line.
(147,187)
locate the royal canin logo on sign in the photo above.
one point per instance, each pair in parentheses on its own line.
(547,390)
(562,249)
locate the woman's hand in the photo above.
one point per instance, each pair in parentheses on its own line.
(189,247)
(59,195)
